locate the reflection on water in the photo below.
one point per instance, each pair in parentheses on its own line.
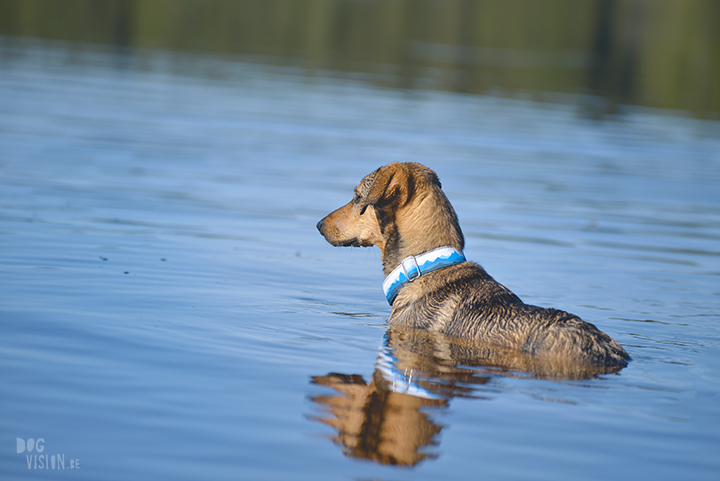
(376,423)
(386,420)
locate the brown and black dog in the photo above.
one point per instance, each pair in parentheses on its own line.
(401,209)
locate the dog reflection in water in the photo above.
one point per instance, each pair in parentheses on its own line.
(390,420)
(376,423)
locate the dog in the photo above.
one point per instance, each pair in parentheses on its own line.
(402,209)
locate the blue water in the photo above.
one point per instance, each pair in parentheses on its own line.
(166,301)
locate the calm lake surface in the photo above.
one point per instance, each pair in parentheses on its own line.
(168,309)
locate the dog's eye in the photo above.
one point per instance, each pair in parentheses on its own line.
(356,199)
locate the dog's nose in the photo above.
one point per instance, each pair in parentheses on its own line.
(320,225)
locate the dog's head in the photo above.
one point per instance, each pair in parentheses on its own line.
(401,209)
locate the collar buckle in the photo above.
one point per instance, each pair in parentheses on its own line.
(407,268)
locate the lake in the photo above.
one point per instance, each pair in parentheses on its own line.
(168,309)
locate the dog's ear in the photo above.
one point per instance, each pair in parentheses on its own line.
(389,182)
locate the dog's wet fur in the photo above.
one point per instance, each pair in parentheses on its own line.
(402,209)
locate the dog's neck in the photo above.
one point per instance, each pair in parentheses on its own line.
(413,267)
(425,224)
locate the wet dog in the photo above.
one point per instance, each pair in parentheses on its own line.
(402,209)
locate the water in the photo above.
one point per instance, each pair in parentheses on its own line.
(169,311)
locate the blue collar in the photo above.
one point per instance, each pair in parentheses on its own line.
(414,266)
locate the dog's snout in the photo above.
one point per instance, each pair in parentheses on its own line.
(320,225)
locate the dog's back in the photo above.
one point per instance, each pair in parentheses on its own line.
(464,301)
